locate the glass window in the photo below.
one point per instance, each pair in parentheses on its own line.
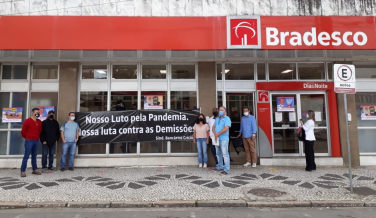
(183,71)
(4,102)
(14,72)
(260,53)
(366,106)
(365,70)
(45,71)
(128,99)
(92,149)
(366,139)
(124,72)
(41,99)
(154,71)
(314,102)
(16,53)
(46,53)
(261,71)
(94,72)
(19,100)
(281,53)
(93,101)
(3,142)
(93,54)
(70,54)
(339,53)
(183,100)
(17,143)
(282,71)
(153,147)
(206,54)
(153,99)
(330,70)
(239,71)
(219,99)
(311,71)
(363,53)
(123,148)
(154,54)
(219,71)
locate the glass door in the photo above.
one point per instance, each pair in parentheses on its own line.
(287,110)
(285,124)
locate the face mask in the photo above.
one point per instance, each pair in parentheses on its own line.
(37,115)
(72,118)
(201,119)
(246,113)
(307,116)
(221,113)
(215,114)
(51,116)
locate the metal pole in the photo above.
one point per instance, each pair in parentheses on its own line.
(348,143)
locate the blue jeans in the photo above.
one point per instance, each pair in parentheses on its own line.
(50,151)
(31,147)
(222,153)
(71,146)
(202,148)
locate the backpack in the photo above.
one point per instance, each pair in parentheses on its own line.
(300,134)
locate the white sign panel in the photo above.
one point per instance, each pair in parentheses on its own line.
(344,78)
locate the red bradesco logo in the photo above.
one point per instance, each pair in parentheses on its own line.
(243,32)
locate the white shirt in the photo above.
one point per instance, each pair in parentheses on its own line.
(309,127)
(211,123)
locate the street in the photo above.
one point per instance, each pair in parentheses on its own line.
(190,213)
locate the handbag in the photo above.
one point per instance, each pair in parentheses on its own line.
(300,134)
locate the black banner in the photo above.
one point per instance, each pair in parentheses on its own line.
(136,125)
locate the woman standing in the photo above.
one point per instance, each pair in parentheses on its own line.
(309,127)
(201,139)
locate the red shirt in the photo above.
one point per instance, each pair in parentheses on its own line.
(31,129)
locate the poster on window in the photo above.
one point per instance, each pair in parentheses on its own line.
(153,102)
(285,104)
(367,112)
(43,111)
(12,115)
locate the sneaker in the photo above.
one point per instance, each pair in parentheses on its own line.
(51,168)
(23,174)
(71,168)
(215,169)
(224,173)
(200,165)
(247,164)
(205,165)
(36,172)
(43,170)
(254,165)
(62,169)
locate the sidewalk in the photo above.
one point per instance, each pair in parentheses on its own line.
(195,186)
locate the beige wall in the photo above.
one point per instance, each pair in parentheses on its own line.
(68,89)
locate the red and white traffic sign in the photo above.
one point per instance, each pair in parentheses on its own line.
(344,78)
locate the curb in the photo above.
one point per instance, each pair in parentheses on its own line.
(188,203)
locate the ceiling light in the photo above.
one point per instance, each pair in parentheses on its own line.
(163,71)
(287,71)
(101,71)
(227,70)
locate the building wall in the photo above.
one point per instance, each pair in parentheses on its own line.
(188,7)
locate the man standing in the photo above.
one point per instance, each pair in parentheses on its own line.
(31,129)
(212,136)
(69,135)
(221,132)
(48,137)
(248,131)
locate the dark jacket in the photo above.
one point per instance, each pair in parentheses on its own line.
(50,131)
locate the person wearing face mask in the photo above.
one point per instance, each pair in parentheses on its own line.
(31,130)
(48,137)
(212,136)
(69,134)
(310,138)
(201,138)
(221,128)
(248,130)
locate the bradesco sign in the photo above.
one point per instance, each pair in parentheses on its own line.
(301,32)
